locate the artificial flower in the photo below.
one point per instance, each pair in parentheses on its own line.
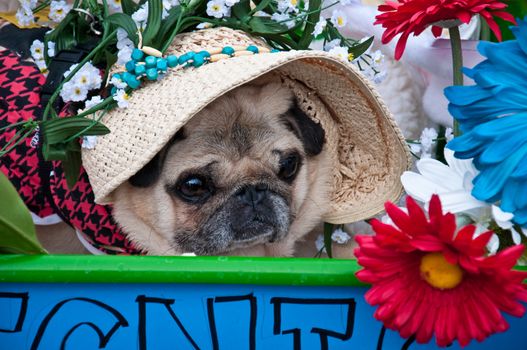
(94,101)
(89,142)
(338,18)
(492,116)
(51,49)
(140,16)
(430,278)
(407,17)
(37,50)
(452,182)
(285,6)
(340,236)
(118,83)
(320,26)
(24,18)
(115,4)
(340,52)
(283,18)
(58,10)
(217,8)
(319,244)
(331,44)
(122,98)
(231,3)
(41,64)
(72,92)
(427,141)
(204,25)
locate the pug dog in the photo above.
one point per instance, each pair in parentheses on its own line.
(248,175)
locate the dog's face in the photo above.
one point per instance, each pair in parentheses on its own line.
(248,171)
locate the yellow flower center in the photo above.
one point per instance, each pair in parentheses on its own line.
(59,11)
(439,273)
(350,57)
(340,21)
(84,79)
(38,50)
(294,2)
(126,96)
(216,7)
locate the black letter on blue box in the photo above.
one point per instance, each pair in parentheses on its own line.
(22,299)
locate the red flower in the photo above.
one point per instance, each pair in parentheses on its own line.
(414,16)
(429,280)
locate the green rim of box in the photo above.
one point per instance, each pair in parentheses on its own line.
(156,269)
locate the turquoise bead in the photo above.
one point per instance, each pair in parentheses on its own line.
(113,90)
(150,61)
(162,64)
(204,53)
(140,69)
(274,50)
(172,61)
(252,48)
(130,66)
(228,50)
(117,76)
(151,73)
(131,80)
(198,60)
(186,57)
(137,55)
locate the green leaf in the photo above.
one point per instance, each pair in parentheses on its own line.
(264,25)
(59,129)
(126,22)
(360,48)
(312,19)
(241,9)
(155,10)
(55,151)
(128,6)
(328,231)
(17,231)
(168,25)
(260,6)
(72,164)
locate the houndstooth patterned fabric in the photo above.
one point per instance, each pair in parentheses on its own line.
(41,184)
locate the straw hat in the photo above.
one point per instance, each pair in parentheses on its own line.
(368,150)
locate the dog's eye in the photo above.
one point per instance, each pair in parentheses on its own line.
(194,188)
(289,167)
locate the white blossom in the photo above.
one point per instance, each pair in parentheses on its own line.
(340,52)
(340,237)
(449,134)
(204,25)
(24,18)
(285,6)
(118,83)
(37,50)
(72,92)
(122,98)
(319,243)
(283,18)
(41,64)
(115,4)
(231,3)
(124,55)
(427,140)
(28,5)
(58,10)
(140,16)
(89,142)
(320,26)
(94,101)
(217,9)
(331,44)
(339,19)
(51,49)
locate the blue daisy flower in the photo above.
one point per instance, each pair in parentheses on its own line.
(493,118)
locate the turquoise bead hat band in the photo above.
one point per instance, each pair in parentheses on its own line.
(368,151)
(153,66)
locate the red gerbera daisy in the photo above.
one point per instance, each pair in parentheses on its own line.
(428,279)
(414,16)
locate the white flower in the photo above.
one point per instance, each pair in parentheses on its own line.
(122,98)
(415,148)
(231,2)
(124,43)
(320,26)
(204,25)
(89,142)
(121,34)
(427,140)
(377,58)
(118,83)
(285,6)
(217,9)
(72,92)
(338,18)
(283,18)
(333,43)
(140,16)
(88,76)
(115,4)
(25,18)
(340,52)
(340,237)
(41,64)
(51,49)
(58,10)
(37,50)
(261,14)
(453,184)
(449,134)
(124,55)
(319,244)
(28,5)
(349,2)
(379,77)
(94,101)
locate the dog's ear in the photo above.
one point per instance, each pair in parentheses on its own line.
(149,174)
(310,133)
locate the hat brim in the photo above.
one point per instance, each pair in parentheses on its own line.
(158,110)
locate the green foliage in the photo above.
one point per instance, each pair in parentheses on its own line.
(17,232)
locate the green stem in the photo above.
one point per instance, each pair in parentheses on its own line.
(457,64)
(42,6)
(100,46)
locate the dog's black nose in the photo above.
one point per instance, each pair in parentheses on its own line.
(253,194)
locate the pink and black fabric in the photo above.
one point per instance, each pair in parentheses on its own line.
(40,183)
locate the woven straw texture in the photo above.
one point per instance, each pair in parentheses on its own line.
(368,149)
